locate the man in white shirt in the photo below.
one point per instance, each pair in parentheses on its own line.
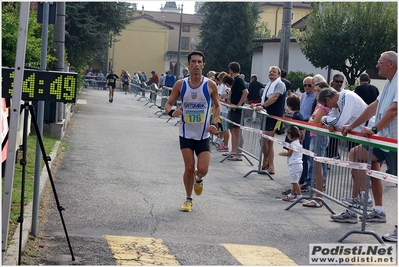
(385,109)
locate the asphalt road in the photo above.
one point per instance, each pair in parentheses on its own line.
(122,176)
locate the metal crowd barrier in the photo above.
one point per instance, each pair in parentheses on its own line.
(250,130)
(153,89)
(176,106)
(339,183)
(164,98)
(135,88)
(143,90)
(89,81)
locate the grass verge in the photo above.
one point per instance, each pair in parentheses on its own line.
(29,179)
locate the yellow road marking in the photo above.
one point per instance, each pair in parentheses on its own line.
(258,255)
(139,251)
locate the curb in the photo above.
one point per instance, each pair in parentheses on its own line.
(12,253)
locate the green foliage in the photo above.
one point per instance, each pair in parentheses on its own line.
(294,33)
(89,26)
(263,31)
(349,36)
(226,33)
(9,34)
(296,79)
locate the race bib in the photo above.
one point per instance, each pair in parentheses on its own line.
(111,80)
(195,116)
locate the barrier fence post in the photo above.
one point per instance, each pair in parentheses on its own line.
(258,139)
(239,137)
(164,99)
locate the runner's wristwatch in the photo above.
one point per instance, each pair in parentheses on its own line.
(374,129)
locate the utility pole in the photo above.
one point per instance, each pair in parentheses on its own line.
(59,41)
(285,35)
(178,49)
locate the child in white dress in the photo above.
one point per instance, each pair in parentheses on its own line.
(294,163)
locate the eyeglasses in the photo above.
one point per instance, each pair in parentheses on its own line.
(308,85)
(380,62)
(338,81)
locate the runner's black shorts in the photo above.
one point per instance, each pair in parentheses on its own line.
(198,146)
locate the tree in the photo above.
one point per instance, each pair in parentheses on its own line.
(349,36)
(263,31)
(226,33)
(9,35)
(89,26)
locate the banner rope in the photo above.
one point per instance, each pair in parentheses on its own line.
(348,164)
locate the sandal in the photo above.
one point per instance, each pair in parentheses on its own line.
(265,167)
(312,204)
(235,158)
(288,199)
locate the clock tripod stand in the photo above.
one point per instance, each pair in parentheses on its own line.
(28,109)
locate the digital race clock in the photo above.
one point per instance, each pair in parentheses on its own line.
(42,85)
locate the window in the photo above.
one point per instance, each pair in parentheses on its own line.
(185,43)
(186,28)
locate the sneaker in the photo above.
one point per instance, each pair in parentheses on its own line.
(109,100)
(112,100)
(223,148)
(392,236)
(187,205)
(359,204)
(219,141)
(198,186)
(349,201)
(344,217)
(305,188)
(374,216)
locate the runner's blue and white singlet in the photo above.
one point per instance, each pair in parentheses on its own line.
(196,104)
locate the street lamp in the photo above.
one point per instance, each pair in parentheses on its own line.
(178,49)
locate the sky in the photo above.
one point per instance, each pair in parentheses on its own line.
(188,6)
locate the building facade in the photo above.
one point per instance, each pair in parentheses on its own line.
(151,40)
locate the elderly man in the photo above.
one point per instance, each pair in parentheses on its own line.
(306,111)
(348,105)
(385,109)
(332,148)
